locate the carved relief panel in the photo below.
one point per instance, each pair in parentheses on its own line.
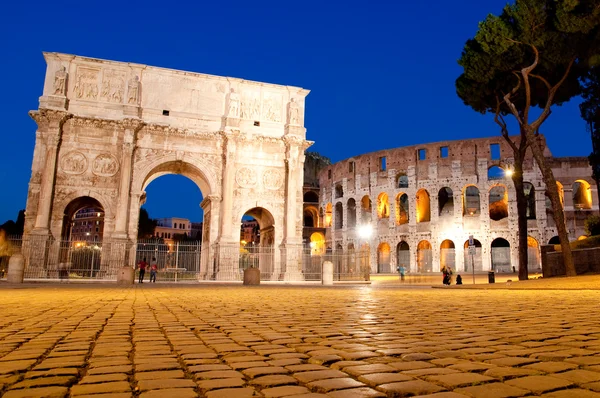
(74,162)
(86,83)
(105,165)
(113,86)
(250,105)
(272,107)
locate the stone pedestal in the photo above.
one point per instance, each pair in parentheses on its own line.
(125,276)
(16,268)
(252,276)
(327,279)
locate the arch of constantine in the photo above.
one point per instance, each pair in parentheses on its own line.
(420,204)
(107,129)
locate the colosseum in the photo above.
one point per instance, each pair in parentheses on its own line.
(418,206)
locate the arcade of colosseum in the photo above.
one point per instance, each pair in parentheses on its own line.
(417,206)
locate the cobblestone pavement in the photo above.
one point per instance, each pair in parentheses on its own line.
(275,341)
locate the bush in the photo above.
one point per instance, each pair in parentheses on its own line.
(592,225)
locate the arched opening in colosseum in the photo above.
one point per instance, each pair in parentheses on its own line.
(364,258)
(311,197)
(317,244)
(549,210)
(447,255)
(555,240)
(498,198)
(402,209)
(383,258)
(424,257)
(311,217)
(351,256)
(401,180)
(351,213)
(339,215)
(328,215)
(445,202)
(81,238)
(365,206)
(423,206)
(582,195)
(496,173)
(501,255)
(476,259)
(403,255)
(471,201)
(262,254)
(534,257)
(529,191)
(383,206)
(339,191)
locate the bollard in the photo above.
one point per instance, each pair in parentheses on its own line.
(252,276)
(16,268)
(125,276)
(327,273)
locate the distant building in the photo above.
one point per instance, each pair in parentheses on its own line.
(87,225)
(167,228)
(197,230)
(249,233)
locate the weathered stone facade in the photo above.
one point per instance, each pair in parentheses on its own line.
(423,202)
(107,129)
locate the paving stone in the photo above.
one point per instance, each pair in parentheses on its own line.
(512,361)
(273,381)
(452,381)
(307,377)
(170,393)
(159,384)
(263,371)
(551,366)
(110,369)
(492,390)
(572,393)
(334,384)
(207,385)
(504,373)
(446,394)
(375,379)
(93,379)
(232,393)
(112,387)
(539,384)
(284,391)
(45,392)
(409,388)
(361,392)
(45,381)
(579,376)
(367,369)
(52,372)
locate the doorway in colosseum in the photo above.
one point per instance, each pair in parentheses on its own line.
(534,260)
(447,255)
(366,210)
(383,206)
(403,255)
(317,244)
(501,255)
(402,209)
(423,206)
(339,215)
(424,257)
(582,195)
(445,202)
(328,216)
(383,258)
(498,200)
(475,260)
(310,217)
(471,201)
(351,213)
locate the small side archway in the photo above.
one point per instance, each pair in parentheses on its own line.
(423,206)
(501,255)
(365,205)
(447,255)
(351,213)
(383,258)
(383,206)
(582,195)
(339,215)
(445,202)
(534,257)
(474,260)
(498,199)
(471,201)
(402,214)
(403,255)
(424,257)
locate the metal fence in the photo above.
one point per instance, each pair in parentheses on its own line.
(176,261)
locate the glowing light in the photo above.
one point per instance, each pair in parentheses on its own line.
(365,231)
(508,172)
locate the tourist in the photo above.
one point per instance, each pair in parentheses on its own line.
(458,279)
(142,266)
(153,269)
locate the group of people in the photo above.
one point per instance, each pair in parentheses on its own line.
(142,265)
(447,277)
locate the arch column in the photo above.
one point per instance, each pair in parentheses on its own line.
(291,249)
(210,206)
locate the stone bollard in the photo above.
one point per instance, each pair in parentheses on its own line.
(16,268)
(252,276)
(125,276)
(327,273)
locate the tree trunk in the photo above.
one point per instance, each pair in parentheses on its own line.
(557,207)
(517,178)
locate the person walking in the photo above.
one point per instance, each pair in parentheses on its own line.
(153,269)
(142,266)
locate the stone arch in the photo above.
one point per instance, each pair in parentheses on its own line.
(383,206)
(423,206)
(534,257)
(402,209)
(351,213)
(582,195)
(476,258)
(529,191)
(383,258)
(447,255)
(401,180)
(339,215)
(500,249)
(339,191)
(445,202)
(310,217)
(403,255)
(199,172)
(424,257)
(496,173)
(498,202)
(471,201)
(311,197)
(66,201)
(317,244)
(365,205)
(265,257)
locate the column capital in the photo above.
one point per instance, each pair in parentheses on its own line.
(209,200)
(50,119)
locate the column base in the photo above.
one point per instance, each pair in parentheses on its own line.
(293,276)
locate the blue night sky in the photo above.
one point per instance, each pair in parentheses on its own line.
(381,73)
